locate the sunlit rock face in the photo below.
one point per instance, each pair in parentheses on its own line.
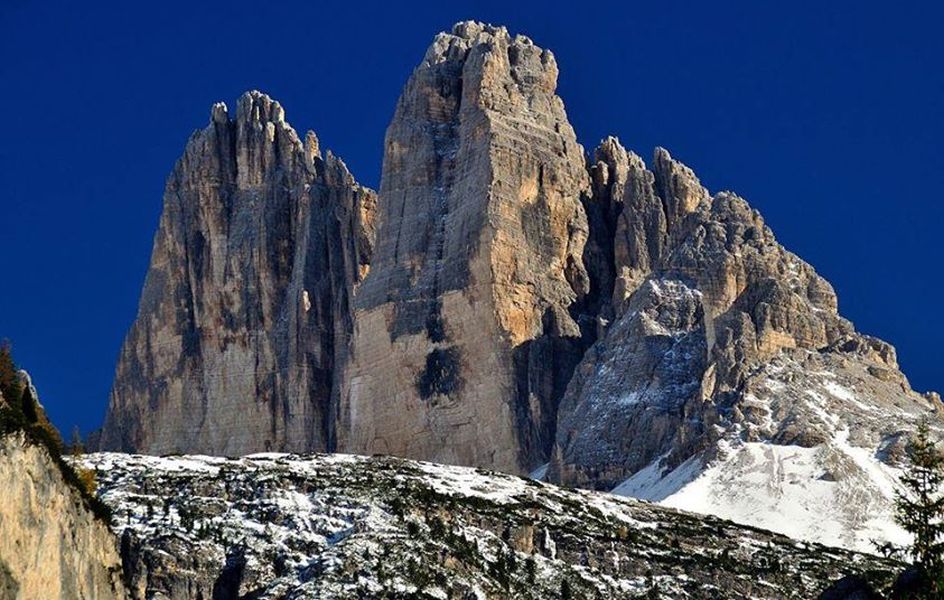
(246,308)
(464,338)
(51,543)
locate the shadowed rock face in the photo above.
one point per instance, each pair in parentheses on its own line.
(463,340)
(247,303)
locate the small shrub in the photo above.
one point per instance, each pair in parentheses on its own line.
(565,592)
(87,479)
(10,386)
(76,447)
(28,405)
(531,567)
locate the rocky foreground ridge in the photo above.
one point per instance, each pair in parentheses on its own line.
(508,302)
(342,526)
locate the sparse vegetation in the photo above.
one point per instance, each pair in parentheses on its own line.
(88,479)
(9,378)
(566,593)
(21,412)
(76,447)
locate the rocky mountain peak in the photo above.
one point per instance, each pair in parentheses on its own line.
(678,187)
(312,146)
(725,352)
(219,113)
(478,260)
(246,305)
(254,106)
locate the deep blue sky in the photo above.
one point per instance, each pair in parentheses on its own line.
(827,118)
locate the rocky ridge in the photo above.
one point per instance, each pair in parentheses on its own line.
(342,526)
(725,365)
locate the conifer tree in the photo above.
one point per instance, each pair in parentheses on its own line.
(76,446)
(565,592)
(28,405)
(9,379)
(920,509)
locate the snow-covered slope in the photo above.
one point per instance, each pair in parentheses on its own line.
(813,457)
(341,526)
(787,489)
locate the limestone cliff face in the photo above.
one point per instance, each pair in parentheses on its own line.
(702,294)
(51,545)
(464,340)
(247,302)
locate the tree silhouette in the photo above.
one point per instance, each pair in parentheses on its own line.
(76,446)
(920,509)
(9,378)
(28,406)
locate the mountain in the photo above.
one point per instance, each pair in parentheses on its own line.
(463,337)
(342,526)
(727,382)
(246,307)
(507,302)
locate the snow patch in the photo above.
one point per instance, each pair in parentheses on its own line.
(540,474)
(836,494)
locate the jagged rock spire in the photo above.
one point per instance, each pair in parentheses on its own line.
(479,257)
(246,305)
(726,353)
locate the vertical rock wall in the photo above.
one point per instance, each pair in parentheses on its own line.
(247,302)
(51,545)
(464,321)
